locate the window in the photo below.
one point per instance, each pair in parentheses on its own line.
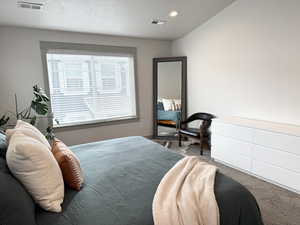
(109,74)
(69,73)
(88,87)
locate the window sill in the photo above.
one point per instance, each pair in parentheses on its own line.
(96,123)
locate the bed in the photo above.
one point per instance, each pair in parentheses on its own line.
(121,177)
(167,118)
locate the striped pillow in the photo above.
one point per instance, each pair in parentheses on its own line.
(69,165)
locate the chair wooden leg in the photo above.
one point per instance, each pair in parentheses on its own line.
(179,140)
(201,147)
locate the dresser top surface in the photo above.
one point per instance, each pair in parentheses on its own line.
(289,129)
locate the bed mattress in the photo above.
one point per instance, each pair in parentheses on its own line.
(121,177)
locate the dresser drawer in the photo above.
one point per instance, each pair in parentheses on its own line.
(276,157)
(279,175)
(231,151)
(232,146)
(283,142)
(238,161)
(234,131)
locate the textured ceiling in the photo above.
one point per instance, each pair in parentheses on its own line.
(115,17)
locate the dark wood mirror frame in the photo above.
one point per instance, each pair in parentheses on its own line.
(183,60)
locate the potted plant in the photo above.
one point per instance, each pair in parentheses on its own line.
(37,109)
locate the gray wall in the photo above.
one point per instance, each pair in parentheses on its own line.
(21,68)
(245,61)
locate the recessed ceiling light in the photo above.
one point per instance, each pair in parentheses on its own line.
(173,14)
(158,22)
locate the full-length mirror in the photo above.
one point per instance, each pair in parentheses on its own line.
(169,87)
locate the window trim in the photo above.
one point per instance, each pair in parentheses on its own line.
(47,47)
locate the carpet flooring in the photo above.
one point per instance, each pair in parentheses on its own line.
(278,206)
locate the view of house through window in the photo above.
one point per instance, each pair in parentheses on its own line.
(91,88)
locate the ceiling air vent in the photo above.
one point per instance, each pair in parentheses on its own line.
(158,22)
(30,5)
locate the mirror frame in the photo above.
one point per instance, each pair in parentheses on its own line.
(183,60)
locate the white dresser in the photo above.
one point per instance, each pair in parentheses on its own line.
(268,150)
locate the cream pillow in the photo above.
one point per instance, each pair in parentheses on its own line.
(177,103)
(28,130)
(35,167)
(168,104)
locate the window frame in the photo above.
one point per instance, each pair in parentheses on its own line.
(78,48)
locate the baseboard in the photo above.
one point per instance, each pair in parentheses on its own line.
(256,176)
(148,136)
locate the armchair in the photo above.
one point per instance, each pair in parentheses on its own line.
(202,134)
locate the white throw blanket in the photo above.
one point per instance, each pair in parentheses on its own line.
(185,195)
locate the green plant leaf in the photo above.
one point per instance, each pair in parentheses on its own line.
(57,121)
(40,97)
(4,120)
(33,120)
(36,88)
(40,108)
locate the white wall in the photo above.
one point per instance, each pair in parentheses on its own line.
(246,61)
(21,68)
(169,80)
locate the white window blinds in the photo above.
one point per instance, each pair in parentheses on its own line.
(87,88)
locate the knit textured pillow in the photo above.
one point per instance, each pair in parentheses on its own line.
(69,165)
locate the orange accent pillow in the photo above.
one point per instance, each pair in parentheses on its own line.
(69,164)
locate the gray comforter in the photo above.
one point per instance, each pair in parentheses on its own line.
(121,177)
